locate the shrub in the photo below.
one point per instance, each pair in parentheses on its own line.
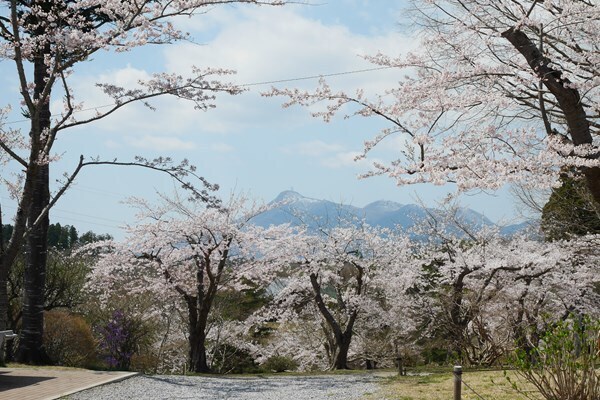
(146,362)
(563,364)
(280,364)
(68,339)
(229,359)
(118,340)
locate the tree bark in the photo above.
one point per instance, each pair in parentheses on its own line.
(342,338)
(198,361)
(343,346)
(3,301)
(31,350)
(197,321)
(568,98)
(3,283)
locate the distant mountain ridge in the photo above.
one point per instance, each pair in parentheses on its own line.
(297,210)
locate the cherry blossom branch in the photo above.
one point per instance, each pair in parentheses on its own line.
(192,89)
(177,172)
(14,155)
(165,165)
(24,87)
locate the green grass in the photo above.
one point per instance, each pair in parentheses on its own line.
(53,367)
(489,384)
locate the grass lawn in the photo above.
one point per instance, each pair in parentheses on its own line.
(37,367)
(490,385)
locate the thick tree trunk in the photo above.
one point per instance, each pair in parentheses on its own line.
(568,99)
(342,339)
(3,282)
(197,320)
(198,361)
(4,324)
(457,322)
(3,303)
(31,348)
(343,346)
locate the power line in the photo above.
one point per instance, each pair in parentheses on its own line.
(89,222)
(303,78)
(80,220)
(89,189)
(86,215)
(53,210)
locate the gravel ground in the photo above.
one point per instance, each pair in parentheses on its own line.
(351,386)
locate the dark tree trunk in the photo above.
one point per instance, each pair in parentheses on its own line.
(342,338)
(31,350)
(459,320)
(4,325)
(568,98)
(343,346)
(3,302)
(3,282)
(198,362)
(197,320)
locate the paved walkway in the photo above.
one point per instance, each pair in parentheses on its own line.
(48,384)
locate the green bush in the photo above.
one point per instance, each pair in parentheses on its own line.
(68,340)
(563,364)
(280,364)
(228,359)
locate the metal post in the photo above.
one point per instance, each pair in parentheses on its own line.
(457,381)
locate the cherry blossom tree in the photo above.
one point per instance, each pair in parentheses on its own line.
(484,294)
(497,92)
(331,275)
(47,40)
(185,256)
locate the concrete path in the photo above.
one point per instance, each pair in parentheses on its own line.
(48,384)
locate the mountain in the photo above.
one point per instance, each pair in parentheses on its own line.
(293,208)
(297,210)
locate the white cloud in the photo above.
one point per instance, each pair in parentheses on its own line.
(221,148)
(330,155)
(270,44)
(160,143)
(313,148)
(343,160)
(262,44)
(112,144)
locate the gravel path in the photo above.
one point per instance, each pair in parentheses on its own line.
(351,386)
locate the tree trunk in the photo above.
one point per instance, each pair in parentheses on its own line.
(31,349)
(568,98)
(343,345)
(197,320)
(342,339)
(3,282)
(198,362)
(3,303)
(4,324)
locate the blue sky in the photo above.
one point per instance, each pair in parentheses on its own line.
(248,143)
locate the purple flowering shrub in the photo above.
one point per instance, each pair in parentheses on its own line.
(118,341)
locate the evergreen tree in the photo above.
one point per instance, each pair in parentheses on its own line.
(570,211)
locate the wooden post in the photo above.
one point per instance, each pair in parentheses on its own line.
(400,362)
(457,381)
